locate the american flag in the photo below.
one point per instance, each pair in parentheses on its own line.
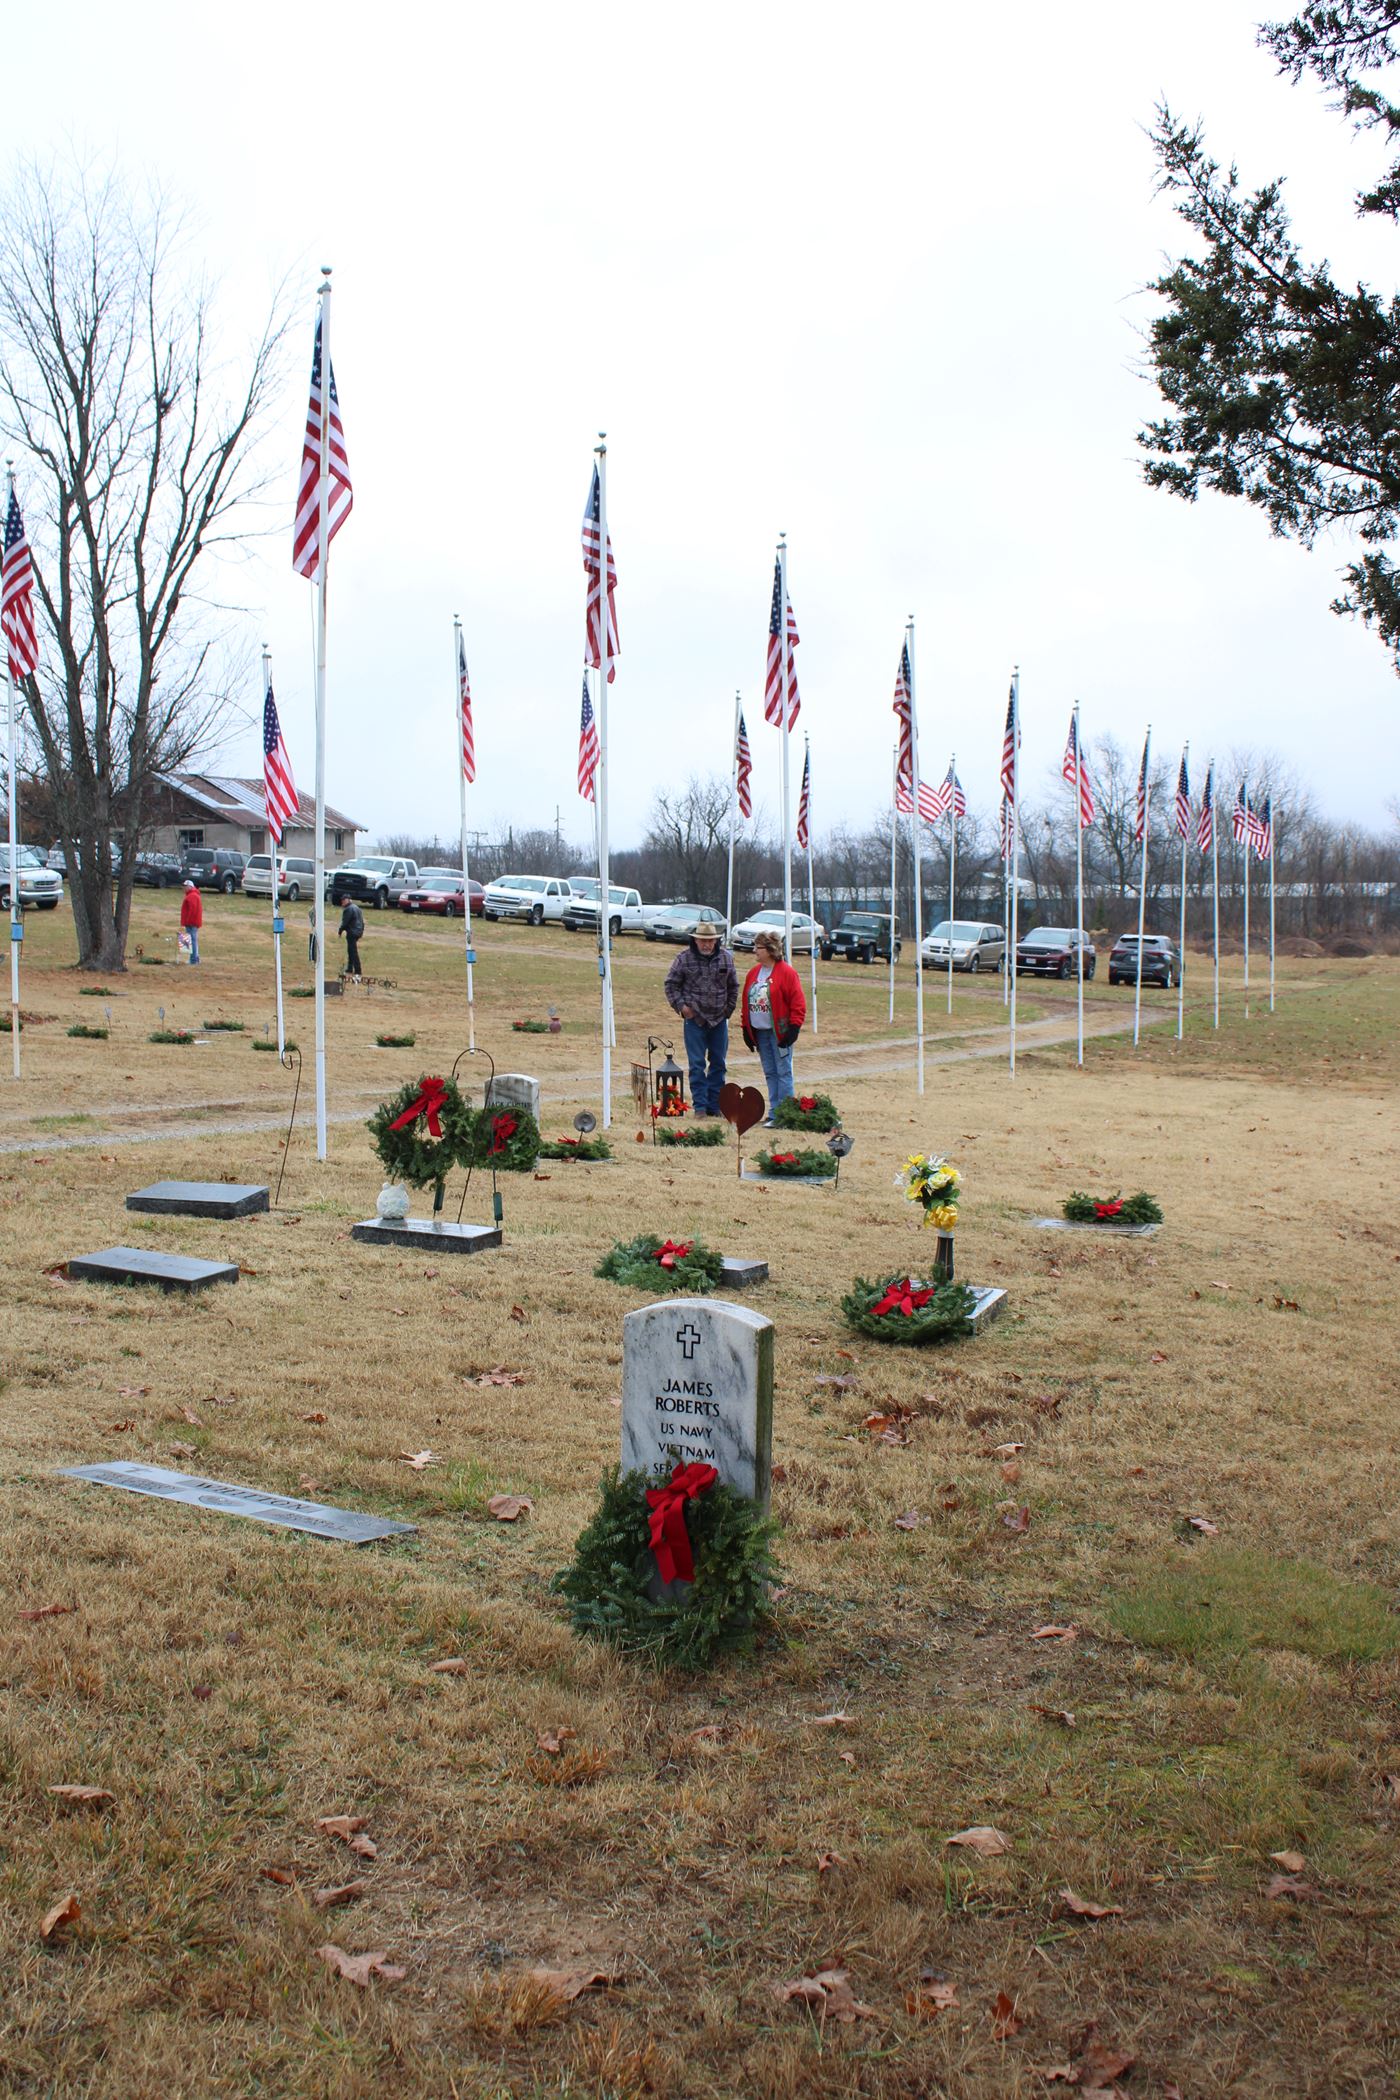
(464,703)
(1006,830)
(1242,818)
(587,745)
(306,534)
(17,596)
(1011,737)
(804,803)
(1262,830)
(1074,768)
(279,789)
(1205,823)
(949,795)
(904,770)
(903,800)
(592,569)
(743,759)
(1140,821)
(773,682)
(1183,801)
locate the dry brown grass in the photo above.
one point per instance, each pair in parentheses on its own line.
(230,1685)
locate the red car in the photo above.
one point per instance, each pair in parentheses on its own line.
(442,894)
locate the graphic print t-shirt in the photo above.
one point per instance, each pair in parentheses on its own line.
(760,1012)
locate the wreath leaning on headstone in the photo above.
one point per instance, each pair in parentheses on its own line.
(651,1264)
(608,1585)
(507,1138)
(1140,1209)
(424,1132)
(807,1112)
(899,1309)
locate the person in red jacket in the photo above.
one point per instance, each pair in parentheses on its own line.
(773,1009)
(192,917)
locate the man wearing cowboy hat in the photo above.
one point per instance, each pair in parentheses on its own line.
(702,986)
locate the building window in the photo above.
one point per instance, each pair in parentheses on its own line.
(340,842)
(192,838)
(257,842)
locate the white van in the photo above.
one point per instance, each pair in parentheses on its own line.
(295,878)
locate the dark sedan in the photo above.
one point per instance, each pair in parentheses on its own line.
(157,871)
(1161,963)
(442,894)
(1056,951)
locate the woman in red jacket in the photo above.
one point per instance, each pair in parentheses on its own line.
(773,1009)
(192,917)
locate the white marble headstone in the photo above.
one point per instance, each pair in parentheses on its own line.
(697,1385)
(514,1090)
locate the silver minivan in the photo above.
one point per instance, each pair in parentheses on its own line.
(295,878)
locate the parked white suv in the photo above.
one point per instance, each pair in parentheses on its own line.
(532,897)
(295,878)
(40,888)
(628,914)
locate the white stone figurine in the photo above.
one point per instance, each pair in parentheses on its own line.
(392,1202)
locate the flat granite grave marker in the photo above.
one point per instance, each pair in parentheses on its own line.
(353,1526)
(421,1233)
(697,1386)
(1124,1232)
(741,1270)
(173,1272)
(514,1090)
(201,1199)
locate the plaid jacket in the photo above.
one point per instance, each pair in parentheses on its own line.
(706,983)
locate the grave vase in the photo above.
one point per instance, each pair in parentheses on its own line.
(943,1258)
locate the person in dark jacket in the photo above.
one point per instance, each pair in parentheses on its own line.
(703,987)
(352,925)
(774,1009)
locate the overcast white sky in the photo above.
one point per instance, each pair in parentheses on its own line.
(872,276)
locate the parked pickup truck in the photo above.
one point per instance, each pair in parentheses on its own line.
(378,880)
(861,936)
(628,914)
(532,897)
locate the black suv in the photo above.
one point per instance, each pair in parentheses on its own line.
(861,936)
(212,868)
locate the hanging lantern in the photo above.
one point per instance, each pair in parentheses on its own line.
(670,1088)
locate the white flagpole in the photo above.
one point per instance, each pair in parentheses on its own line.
(1079,862)
(1215,890)
(1142,878)
(278,922)
(811,885)
(1271,908)
(1005,860)
(457,661)
(918,876)
(16,915)
(787,731)
(604,886)
(894,870)
(1181,937)
(952,870)
(323,499)
(1244,856)
(733,823)
(1015,849)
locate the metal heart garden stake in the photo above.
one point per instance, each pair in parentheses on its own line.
(742,1106)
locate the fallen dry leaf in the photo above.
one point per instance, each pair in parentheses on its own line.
(498,1375)
(66,1911)
(420,1460)
(1055,1633)
(552,1740)
(568,1984)
(1204,1525)
(341,1826)
(132,1392)
(710,1733)
(1007,1450)
(1291,1862)
(119,1428)
(931,1995)
(307,1486)
(828,1993)
(82,1796)
(827,1860)
(358,1968)
(506,1508)
(837,1719)
(1078,1908)
(178,1450)
(848,1757)
(982,1839)
(840,1381)
(363,1847)
(1017,1520)
(1061,1714)
(451,1666)
(1064,2074)
(57,1273)
(519,1314)
(910,1520)
(46,1611)
(1159,1356)
(1005,2020)
(1289,1885)
(1099,2064)
(285,1877)
(190,1416)
(1285,1304)
(348,1892)
(316,1415)
(1010,1472)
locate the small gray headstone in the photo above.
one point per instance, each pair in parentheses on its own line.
(697,1385)
(423,1233)
(173,1272)
(991,1300)
(739,1272)
(514,1090)
(1125,1232)
(355,1528)
(201,1199)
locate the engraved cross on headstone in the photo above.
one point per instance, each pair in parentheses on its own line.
(689,1339)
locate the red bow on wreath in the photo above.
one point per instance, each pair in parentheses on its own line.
(1108,1210)
(806,1102)
(672,1252)
(503,1129)
(669,1539)
(783,1159)
(431,1095)
(901,1299)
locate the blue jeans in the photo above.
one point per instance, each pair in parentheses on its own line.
(702,1044)
(776,1060)
(193,932)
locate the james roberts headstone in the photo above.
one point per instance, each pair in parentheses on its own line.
(697,1386)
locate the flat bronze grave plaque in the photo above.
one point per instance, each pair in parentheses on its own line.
(1124,1232)
(173,1272)
(201,1199)
(422,1233)
(353,1527)
(778,1181)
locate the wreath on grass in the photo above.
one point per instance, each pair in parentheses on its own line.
(806,1112)
(1140,1209)
(530,1027)
(507,1138)
(575,1148)
(899,1309)
(691,1134)
(424,1132)
(90,1035)
(820,1165)
(607,1586)
(649,1264)
(170,1035)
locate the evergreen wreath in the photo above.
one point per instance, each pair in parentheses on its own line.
(607,1585)
(170,1035)
(807,1112)
(692,1134)
(530,1027)
(507,1138)
(412,1154)
(820,1165)
(694,1266)
(1140,1209)
(91,1035)
(945,1310)
(575,1148)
